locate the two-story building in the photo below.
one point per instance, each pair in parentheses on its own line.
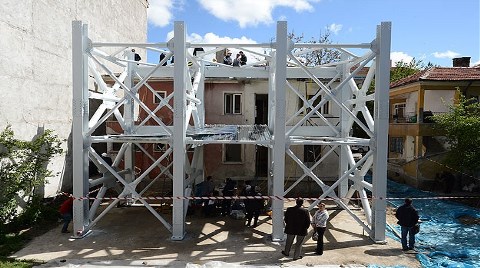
(235,101)
(415,148)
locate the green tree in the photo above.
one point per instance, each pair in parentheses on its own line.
(461,126)
(23,167)
(403,69)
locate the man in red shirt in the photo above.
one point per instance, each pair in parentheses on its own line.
(66,210)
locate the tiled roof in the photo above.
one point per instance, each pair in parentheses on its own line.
(441,74)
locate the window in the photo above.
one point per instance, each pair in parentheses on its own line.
(399,110)
(396,145)
(311,89)
(324,109)
(160,147)
(116,146)
(232,153)
(162,94)
(311,154)
(233,103)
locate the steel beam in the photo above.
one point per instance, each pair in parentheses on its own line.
(381,114)
(80,106)
(179,130)
(279,138)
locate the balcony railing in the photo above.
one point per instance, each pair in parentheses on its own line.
(413,118)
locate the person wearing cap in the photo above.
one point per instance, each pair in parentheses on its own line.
(228,58)
(297,221)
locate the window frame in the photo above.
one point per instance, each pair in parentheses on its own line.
(224,153)
(156,149)
(160,92)
(311,89)
(396,144)
(230,106)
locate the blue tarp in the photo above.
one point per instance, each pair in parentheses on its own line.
(443,240)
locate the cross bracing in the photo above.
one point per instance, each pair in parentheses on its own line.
(122,81)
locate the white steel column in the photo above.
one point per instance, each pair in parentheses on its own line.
(279,130)
(128,116)
(80,127)
(382,83)
(345,94)
(179,130)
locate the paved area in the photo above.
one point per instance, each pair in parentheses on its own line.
(132,237)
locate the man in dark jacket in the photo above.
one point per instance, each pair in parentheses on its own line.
(228,191)
(407,217)
(297,221)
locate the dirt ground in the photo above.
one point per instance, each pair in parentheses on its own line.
(132,236)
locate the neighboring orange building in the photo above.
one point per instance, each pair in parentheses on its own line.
(415,148)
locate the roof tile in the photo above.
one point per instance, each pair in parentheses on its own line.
(440,74)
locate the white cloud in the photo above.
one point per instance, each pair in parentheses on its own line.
(335,28)
(400,56)
(159,12)
(212,38)
(252,12)
(446,55)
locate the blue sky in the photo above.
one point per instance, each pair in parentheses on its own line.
(429,30)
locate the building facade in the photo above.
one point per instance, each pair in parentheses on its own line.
(415,148)
(35,71)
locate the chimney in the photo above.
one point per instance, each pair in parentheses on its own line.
(461,62)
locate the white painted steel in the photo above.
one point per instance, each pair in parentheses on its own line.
(279,85)
(179,128)
(381,115)
(80,104)
(281,62)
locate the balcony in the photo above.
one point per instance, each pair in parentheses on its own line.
(410,125)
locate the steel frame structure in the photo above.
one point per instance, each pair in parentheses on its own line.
(188,73)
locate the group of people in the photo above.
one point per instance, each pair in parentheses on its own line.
(251,206)
(240,59)
(297,221)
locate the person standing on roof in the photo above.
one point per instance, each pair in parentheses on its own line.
(243,58)
(228,58)
(236,61)
(297,221)
(407,217)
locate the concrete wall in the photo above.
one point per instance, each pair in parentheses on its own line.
(36,66)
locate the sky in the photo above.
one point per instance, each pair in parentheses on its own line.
(432,31)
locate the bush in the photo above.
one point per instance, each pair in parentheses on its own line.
(23,167)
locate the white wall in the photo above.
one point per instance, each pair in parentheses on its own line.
(36,67)
(437,101)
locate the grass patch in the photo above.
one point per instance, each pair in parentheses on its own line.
(35,221)
(12,263)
